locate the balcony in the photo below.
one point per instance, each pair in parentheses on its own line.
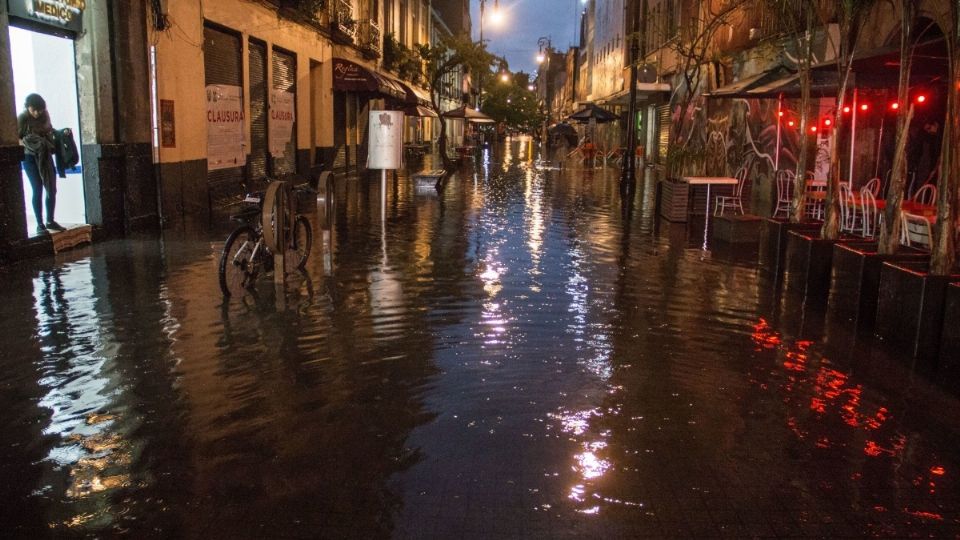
(370,42)
(342,20)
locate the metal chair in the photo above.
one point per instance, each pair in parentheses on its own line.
(869,217)
(734,201)
(784,192)
(915,230)
(874,186)
(926,194)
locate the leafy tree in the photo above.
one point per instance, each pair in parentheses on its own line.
(512,103)
(452,53)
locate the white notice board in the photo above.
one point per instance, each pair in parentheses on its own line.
(282,115)
(226,142)
(386,140)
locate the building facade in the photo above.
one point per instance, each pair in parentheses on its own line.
(183,106)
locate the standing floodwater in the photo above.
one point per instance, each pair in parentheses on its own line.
(523,354)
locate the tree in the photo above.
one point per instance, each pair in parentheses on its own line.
(513,103)
(692,48)
(450,54)
(945,244)
(890,234)
(796,18)
(850,14)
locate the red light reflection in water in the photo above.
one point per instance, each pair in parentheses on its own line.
(831,392)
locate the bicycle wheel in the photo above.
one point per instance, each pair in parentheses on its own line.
(300,243)
(238,271)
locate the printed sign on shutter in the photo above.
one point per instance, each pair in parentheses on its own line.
(282,115)
(226,142)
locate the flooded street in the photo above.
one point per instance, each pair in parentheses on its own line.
(523,354)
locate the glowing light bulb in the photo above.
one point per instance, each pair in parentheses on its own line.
(791,123)
(894,106)
(813,129)
(828,122)
(921,98)
(864,107)
(846,110)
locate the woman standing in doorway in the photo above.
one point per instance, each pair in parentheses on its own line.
(36,136)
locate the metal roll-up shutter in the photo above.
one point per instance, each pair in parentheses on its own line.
(340,130)
(222,60)
(285,79)
(663,125)
(257,160)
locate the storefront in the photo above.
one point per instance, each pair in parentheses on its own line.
(246,99)
(88,60)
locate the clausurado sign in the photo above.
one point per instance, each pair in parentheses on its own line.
(61,14)
(226,141)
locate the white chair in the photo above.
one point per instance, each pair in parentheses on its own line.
(915,230)
(784,192)
(869,217)
(874,186)
(850,216)
(926,194)
(732,201)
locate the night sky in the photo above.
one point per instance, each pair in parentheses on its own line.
(524,22)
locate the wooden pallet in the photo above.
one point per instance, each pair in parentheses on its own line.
(75,235)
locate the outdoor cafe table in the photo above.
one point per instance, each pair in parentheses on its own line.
(709,181)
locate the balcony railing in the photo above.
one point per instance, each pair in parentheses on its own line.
(343,20)
(370,37)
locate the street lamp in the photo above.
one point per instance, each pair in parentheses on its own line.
(497,17)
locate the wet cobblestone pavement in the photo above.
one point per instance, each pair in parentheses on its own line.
(521,355)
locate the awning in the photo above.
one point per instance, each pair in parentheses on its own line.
(350,76)
(419,110)
(741,88)
(877,68)
(414,95)
(645,91)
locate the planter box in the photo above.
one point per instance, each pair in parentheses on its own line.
(737,229)
(773,242)
(910,309)
(855,281)
(808,264)
(948,369)
(673,200)
(678,201)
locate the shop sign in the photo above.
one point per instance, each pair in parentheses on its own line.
(63,14)
(226,141)
(282,116)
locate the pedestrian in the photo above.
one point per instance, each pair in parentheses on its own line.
(36,136)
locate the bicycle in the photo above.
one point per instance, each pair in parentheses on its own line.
(245,254)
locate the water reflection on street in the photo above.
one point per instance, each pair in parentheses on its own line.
(525,353)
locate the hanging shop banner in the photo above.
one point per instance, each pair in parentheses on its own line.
(282,115)
(386,140)
(61,14)
(226,142)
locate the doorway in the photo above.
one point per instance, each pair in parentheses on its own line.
(46,65)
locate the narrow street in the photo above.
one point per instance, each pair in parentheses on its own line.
(522,354)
